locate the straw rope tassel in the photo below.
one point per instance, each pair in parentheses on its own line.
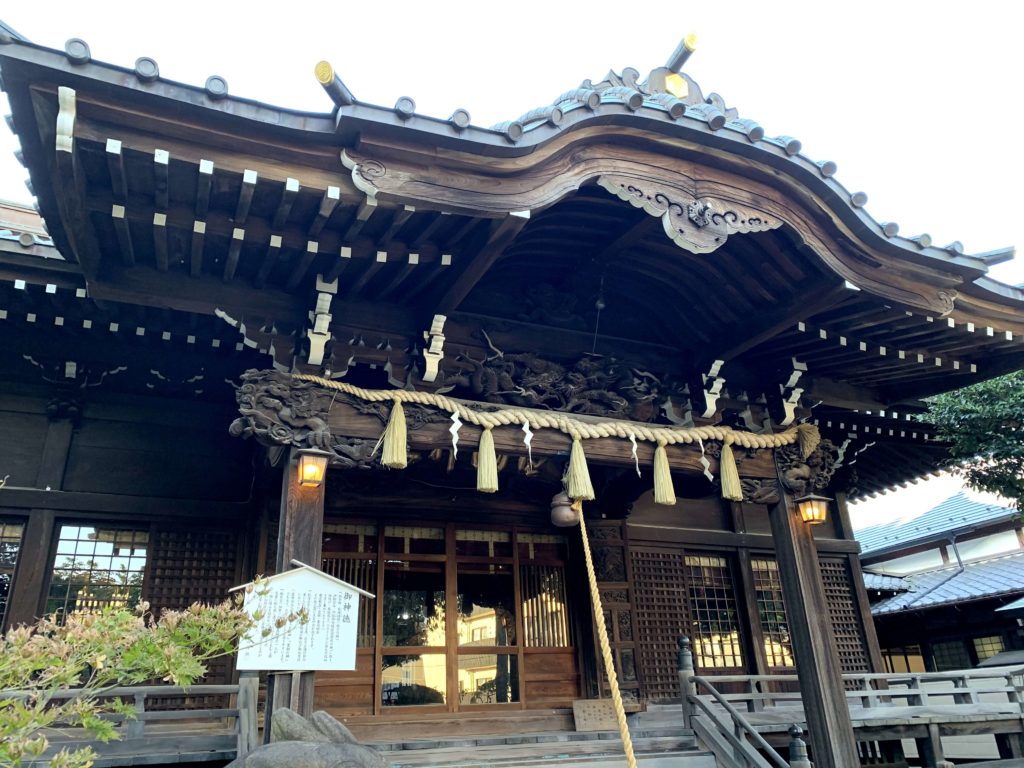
(577,476)
(396,454)
(664,492)
(606,650)
(809,437)
(486,463)
(728,474)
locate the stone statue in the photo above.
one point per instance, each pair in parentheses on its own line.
(319,742)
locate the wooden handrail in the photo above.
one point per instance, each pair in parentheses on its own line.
(742,733)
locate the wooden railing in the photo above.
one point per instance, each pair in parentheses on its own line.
(884,708)
(869,690)
(174,732)
(724,729)
(749,748)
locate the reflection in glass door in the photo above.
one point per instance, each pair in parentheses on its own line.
(413,668)
(488,658)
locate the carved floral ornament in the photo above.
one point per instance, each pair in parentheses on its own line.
(698,225)
(292,410)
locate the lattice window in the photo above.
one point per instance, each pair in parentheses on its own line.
(778,645)
(10,545)
(908,659)
(714,620)
(987,647)
(95,568)
(661,615)
(190,565)
(846,623)
(950,654)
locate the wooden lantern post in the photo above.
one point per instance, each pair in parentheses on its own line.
(299,537)
(830,730)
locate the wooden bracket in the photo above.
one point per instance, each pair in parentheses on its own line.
(433,352)
(751,421)
(320,332)
(705,398)
(784,410)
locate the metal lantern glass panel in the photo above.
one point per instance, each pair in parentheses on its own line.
(813,508)
(312,467)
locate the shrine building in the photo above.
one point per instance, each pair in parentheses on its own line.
(428,355)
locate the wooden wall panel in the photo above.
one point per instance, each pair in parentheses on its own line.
(348,693)
(22,436)
(549,677)
(755,519)
(196,461)
(703,514)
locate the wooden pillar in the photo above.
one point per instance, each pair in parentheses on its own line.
(26,599)
(829,728)
(299,537)
(30,579)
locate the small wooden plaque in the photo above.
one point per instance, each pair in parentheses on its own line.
(594,715)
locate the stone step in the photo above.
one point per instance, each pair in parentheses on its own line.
(683,759)
(661,752)
(402,726)
(638,733)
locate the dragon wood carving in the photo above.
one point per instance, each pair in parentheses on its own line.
(799,475)
(594,385)
(279,410)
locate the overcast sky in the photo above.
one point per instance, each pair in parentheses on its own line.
(918,102)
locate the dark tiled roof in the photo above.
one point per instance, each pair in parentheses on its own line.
(1003,575)
(956,513)
(883,583)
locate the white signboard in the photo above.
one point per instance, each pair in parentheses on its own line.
(326,642)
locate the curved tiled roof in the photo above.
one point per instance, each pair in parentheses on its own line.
(621,99)
(993,577)
(956,514)
(883,583)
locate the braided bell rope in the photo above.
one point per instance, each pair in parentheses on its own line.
(606,649)
(576,428)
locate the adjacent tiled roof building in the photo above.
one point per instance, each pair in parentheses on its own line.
(940,585)
(955,584)
(954,516)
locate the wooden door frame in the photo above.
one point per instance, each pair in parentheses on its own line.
(451,648)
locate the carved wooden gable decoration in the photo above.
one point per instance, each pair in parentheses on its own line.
(700,225)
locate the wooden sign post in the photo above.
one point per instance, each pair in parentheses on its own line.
(326,641)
